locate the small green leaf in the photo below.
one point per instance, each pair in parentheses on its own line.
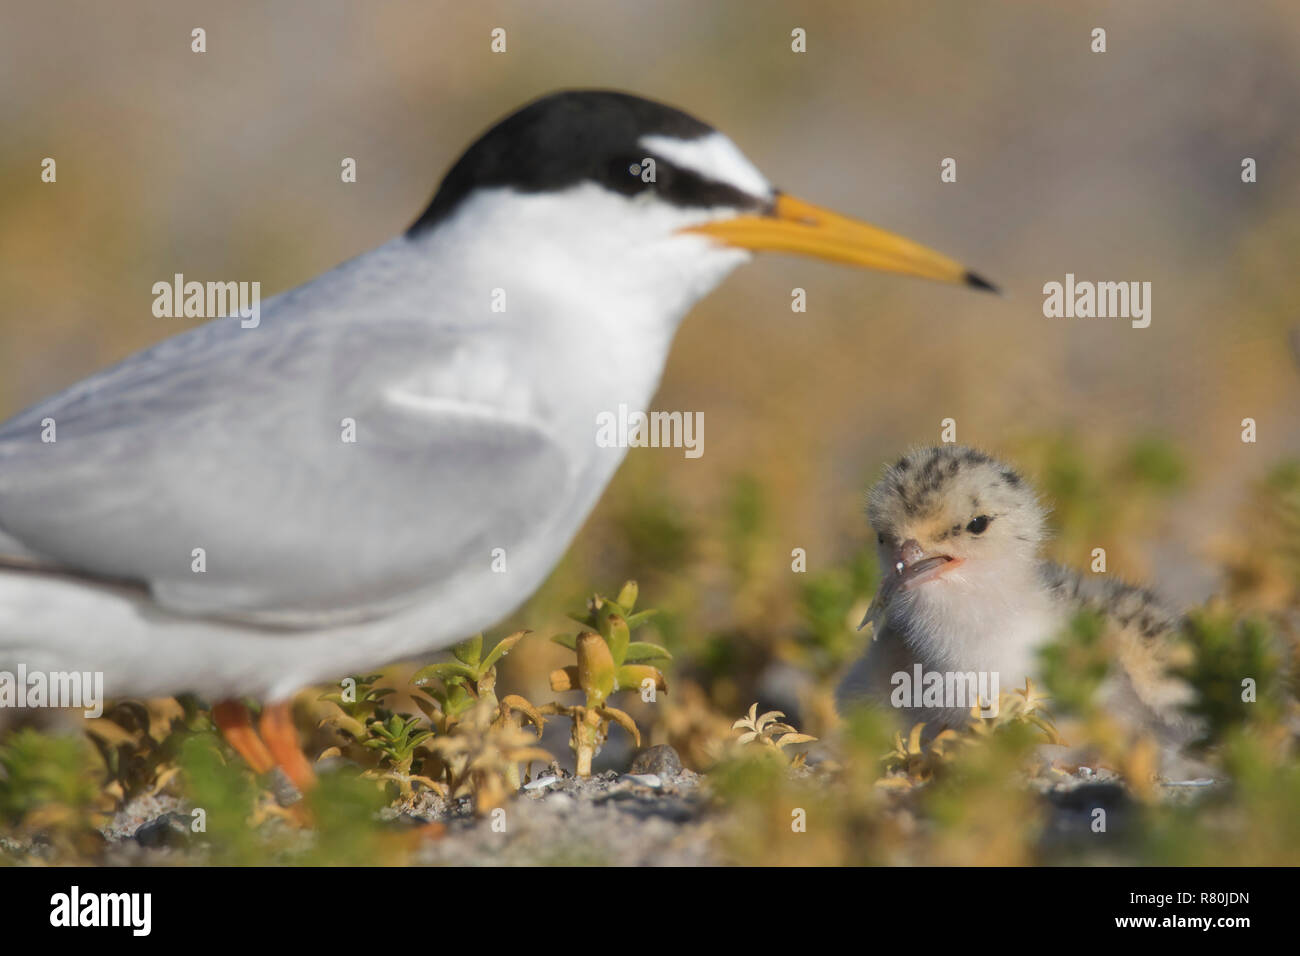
(504,646)
(617,636)
(566,640)
(631,676)
(458,700)
(443,671)
(595,668)
(469,652)
(640,617)
(645,651)
(348,724)
(426,706)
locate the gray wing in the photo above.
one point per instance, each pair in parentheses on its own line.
(1126,604)
(232,441)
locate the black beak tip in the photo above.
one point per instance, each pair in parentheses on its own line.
(979,282)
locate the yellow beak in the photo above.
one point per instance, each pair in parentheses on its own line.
(801,228)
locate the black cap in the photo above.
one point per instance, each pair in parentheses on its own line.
(580,136)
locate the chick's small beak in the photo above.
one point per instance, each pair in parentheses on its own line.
(909,567)
(801,228)
(913,567)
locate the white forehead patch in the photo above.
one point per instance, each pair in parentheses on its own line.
(714,157)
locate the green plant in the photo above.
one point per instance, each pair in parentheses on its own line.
(1263,570)
(240,825)
(393,739)
(1228,655)
(396,740)
(358,704)
(466,687)
(470,677)
(1251,820)
(827,601)
(916,760)
(1075,664)
(44,788)
(608,661)
(226,797)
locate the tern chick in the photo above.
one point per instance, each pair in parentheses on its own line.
(966,589)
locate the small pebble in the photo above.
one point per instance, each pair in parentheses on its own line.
(170,829)
(660,759)
(540,783)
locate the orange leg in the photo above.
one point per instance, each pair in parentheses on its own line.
(282,739)
(233,720)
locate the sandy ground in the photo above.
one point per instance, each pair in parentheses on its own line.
(657,814)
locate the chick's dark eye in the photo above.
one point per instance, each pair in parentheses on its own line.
(978,525)
(880,538)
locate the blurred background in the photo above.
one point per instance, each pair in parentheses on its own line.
(1121,166)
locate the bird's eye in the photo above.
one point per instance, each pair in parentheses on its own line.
(880,538)
(979,525)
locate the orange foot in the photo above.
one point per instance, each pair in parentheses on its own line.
(278,744)
(281,738)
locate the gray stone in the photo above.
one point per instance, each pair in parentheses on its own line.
(661,759)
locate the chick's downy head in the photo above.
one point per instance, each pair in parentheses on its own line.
(950,518)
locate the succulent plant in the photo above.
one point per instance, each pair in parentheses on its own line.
(396,739)
(465,689)
(471,677)
(359,707)
(608,661)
